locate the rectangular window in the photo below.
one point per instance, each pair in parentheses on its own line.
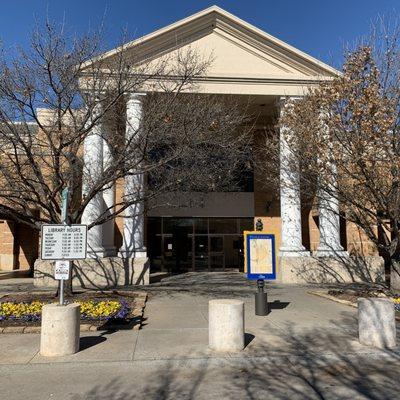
(201,226)
(223,225)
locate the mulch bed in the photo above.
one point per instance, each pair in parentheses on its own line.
(135,300)
(350,295)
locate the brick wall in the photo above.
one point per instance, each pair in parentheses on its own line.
(19,246)
(8,250)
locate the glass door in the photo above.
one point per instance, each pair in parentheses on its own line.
(200,244)
(167,254)
(177,251)
(200,253)
(217,256)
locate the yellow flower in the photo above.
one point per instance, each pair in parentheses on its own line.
(89,308)
(9,309)
(99,309)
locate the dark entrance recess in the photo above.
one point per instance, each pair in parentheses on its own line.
(179,245)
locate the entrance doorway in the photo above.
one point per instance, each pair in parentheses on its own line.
(179,245)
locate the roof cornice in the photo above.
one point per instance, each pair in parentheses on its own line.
(215,18)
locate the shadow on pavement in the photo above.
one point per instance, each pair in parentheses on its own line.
(209,284)
(248,338)
(86,342)
(315,364)
(277,305)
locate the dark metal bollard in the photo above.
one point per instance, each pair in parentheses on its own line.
(261,299)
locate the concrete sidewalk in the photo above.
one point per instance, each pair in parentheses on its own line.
(176,325)
(305,341)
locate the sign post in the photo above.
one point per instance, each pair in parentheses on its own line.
(64,205)
(63,243)
(61,273)
(64,216)
(260,264)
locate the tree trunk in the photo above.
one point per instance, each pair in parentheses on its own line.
(68,283)
(395,274)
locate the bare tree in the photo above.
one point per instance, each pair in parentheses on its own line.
(346,140)
(53,95)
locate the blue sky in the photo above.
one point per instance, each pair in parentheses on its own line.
(320,28)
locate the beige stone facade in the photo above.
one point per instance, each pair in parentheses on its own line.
(259,70)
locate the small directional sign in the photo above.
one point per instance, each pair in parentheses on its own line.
(63,242)
(61,270)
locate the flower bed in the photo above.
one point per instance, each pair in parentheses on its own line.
(21,311)
(98,309)
(350,293)
(104,310)
(353,295)
(90,310)
(396,301)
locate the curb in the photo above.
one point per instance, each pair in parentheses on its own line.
(324,359)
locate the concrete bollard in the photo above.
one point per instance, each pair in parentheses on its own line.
(60,330)
(226,325)
(376,322)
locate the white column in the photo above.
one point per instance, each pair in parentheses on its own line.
(329,227)
(92,171)
(291,237)
(109,202)
(133,233)
(328,205)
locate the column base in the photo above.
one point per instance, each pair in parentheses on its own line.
(99,273)
(331,270)
(132,253)
(110,251)
(331,253)
(293,252)
(96,252)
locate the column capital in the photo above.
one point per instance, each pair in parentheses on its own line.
(282,100)
(135,97)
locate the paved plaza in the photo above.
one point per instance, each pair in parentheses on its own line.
(305,348)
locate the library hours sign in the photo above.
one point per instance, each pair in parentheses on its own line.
(63,242)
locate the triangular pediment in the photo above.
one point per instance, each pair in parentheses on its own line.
(239,50)
(232,57)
